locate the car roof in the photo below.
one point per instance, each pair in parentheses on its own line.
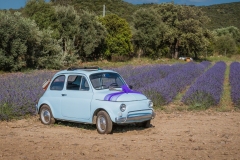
(86,71)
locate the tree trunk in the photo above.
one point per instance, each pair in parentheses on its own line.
(176,49)
(195,55)
(140,51)
(171,51)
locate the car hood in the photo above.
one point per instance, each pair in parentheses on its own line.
(125,94)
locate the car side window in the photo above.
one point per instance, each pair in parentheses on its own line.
(84,84)
(73,82)
(58,83)
(76,82)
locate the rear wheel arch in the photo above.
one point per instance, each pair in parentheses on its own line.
(48,106)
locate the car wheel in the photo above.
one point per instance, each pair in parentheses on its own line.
(104,123)
(46,115)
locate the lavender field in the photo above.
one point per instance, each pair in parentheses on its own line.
(208,88)
(234,78)
(199,85)
(20,93)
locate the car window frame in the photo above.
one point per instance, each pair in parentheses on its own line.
(53,82)
(101,79)
(80,84)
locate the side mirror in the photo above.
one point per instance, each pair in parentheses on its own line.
(130,86)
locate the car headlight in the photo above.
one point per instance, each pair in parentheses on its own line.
(123,107)
(150,104)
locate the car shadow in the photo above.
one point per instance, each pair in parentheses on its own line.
(128,127)
(116,127)
(76,125)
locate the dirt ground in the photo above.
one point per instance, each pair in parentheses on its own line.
(179,135)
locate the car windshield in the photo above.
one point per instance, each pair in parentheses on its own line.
(106,80)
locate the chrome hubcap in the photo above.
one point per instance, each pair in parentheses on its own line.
(102,123)
(46,116)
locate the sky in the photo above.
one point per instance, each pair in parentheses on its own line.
(17,4)
(14,4)
(185,2)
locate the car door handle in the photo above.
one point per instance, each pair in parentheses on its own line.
(64,94)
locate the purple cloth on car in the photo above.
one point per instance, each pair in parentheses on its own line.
(114,96)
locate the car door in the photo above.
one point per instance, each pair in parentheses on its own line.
(54,95)
(76,98)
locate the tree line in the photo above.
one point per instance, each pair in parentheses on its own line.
(46,35)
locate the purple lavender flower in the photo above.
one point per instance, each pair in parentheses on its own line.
(234,77)
(20,92)
(207,89)
(163,91)
(140,76)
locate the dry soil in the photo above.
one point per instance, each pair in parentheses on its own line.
(179,135)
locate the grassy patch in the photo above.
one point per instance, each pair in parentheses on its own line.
(227,60)
(134,62)
(226,102)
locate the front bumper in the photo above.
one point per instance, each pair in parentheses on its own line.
(136,117)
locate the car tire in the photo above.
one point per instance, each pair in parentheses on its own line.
(46,116)
(104,123)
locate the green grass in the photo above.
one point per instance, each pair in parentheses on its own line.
(225,102)
(134,62)
(227,60)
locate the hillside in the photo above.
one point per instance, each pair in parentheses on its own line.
(119,7)
(223,15)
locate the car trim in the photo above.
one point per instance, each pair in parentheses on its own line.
(135,118)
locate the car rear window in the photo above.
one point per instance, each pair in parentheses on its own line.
(58,83)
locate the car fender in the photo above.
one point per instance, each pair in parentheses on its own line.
(54,114)
(112,108)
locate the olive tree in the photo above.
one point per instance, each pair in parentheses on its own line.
(149,33)
(193,36)
(41,12)
(181,28)
(15,40)
(226,40)
(186,29)
(91,36)
(118,40)
(23,45)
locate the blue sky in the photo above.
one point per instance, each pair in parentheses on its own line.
(16,4)
(187,2)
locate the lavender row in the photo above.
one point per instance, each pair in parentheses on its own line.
(20,92)
(207,89)
(129,70)
(234,78)
(163,91)
(142,76)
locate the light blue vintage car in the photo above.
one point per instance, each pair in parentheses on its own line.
(94,96)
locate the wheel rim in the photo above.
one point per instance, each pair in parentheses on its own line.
(45,116)
(102,124)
